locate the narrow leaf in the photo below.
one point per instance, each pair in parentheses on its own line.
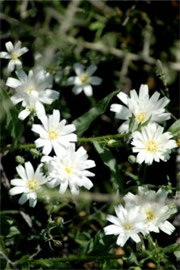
(83,122)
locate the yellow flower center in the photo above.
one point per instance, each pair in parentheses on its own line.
(127,227)
(15,56)
(84,78)
(140,117)
(149,215)
(30,90)
(31,108)
(178,142)
(151,146)
(32,184)
(68,170)
(52,134)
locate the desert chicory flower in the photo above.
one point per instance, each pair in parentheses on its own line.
(84,79)
(13,53)
(28,184)
(54,134)
(32,89)
(127,224)
(70,168)
(152,144)
(142,108)
(153,205)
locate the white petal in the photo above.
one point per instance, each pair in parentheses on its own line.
(122,239)
(112,229)
(143,91)
(4,55)
(22,51)
(29,170)
(87,183)
(14,83)
(95,80)
(24,197)
(21,75)
(88,90)
(16,190)
(167,227)
(123,97)
(63,187)
(23,114)
(9,46)
(40,130)
(77,89)
(11,65)
(18,182)
(32,199)
(135,237)
(47,148)
(79,68)
(91,69)
(21,171)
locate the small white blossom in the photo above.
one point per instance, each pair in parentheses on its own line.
(54,134)
(13,53)
(33,90)
(141,107)
(154,207)
(70,168)
(84,79)
(152,144)
(28,184)
(127,224)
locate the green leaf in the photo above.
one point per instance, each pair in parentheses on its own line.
(83,122)
(175,128)
(9,228)
(110,161)
(10,114)
(100,244)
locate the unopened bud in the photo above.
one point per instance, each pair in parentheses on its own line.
(113,143)
(20,160)
(132,159)
(35,152)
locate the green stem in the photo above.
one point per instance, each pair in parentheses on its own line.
(85,258)
(99,139)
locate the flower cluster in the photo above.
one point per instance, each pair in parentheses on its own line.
(142,115)
(143,213)
(68,166)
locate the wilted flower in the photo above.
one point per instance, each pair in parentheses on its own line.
(70,168)
(142,108)
(13,53)
(28,184)
(152,144)
(54,134)
(84,79)
(127,224)
(32,90)
(155,208)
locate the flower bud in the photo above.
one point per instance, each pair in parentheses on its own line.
(132,159)
(20,160)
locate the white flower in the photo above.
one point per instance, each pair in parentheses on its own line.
(84,79)
(154,207)
(32,105)
(152,144)
(70,168)
(141,107)
(54,134)
(13,53)
(32,90)
(127,224)
(28,184)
